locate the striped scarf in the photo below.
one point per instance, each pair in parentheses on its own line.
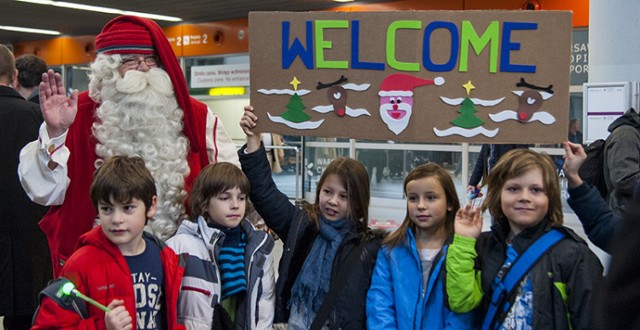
(231,261)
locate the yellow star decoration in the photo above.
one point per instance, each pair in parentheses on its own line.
(468,86)
(295,82)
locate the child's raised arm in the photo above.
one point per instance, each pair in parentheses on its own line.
(248,123)
(574,156)
(463,281)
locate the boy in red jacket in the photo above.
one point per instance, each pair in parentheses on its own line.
(116,263)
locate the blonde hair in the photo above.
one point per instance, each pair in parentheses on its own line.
(430,170)
(516,163)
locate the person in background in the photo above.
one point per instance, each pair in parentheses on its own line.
(599,221)
(618,296)
(622,160)
(274,155)
(524,199)
(325,243)
(575,136)
(24,261)
(30,71)
(119,265)
(137,104)
(486,160)
(407,289)
(236,258)
(373,158)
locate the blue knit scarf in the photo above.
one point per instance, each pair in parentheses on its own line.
(312,284)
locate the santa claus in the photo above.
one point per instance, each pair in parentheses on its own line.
(137,104)
(396,99)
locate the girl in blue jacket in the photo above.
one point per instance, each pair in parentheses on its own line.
(407,288)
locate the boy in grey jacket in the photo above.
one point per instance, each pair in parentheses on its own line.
(229,276)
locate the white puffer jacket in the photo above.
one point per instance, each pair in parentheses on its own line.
(201,287)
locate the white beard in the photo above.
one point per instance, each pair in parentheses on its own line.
(139,116)
(395,125)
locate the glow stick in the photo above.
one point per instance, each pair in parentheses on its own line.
(70,290)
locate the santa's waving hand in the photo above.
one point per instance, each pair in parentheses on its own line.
(58,110)
(137,104)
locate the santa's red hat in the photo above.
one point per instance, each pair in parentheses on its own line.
(137,35)
(400,84)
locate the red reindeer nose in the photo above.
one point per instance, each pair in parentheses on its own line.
(522,116)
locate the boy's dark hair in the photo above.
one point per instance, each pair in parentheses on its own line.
(30,70)
(122,178)
(212,181)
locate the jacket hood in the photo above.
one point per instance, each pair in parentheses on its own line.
(630,118)
(96,237)
(210,235)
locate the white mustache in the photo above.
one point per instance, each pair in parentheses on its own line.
(135,81)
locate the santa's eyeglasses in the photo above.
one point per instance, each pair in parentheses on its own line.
(133,61)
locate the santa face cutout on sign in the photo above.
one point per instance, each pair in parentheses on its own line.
(395,111)
(396,99)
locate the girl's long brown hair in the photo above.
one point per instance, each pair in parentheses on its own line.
(442,176)
(355,179)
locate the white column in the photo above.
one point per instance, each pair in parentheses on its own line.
(614,42)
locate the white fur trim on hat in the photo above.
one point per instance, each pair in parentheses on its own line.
(395,93)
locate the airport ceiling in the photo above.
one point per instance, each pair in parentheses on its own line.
(72,22)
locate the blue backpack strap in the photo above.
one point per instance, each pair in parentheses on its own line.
(502,289)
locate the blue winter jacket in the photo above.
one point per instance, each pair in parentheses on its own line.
(397,298)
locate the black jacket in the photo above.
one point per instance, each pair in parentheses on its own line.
(622,160)
(25,264)
(298,233)
(570,264)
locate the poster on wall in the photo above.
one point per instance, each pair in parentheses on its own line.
(603,103)
(414,76)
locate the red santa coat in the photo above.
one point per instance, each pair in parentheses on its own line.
(99,270)
(64,224)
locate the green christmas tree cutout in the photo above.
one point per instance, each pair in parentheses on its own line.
(296,107)
(467,110)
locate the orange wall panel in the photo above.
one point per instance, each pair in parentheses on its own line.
(226,37)
(49,50)
(580,8)
(78,50)
(231,36)
(406,5)
(173,33)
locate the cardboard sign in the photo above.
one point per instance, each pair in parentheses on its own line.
(416,76)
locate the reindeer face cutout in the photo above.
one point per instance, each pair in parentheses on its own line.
(338,97)
(531,100)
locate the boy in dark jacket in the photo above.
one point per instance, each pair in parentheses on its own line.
(132,273)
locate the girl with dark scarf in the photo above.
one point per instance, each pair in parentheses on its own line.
(318,239)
